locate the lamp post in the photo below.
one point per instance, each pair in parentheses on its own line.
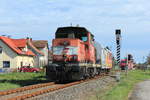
(118,40)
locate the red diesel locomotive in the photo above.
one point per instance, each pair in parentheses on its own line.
(76,55)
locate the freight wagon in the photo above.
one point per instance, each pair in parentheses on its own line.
(76,55)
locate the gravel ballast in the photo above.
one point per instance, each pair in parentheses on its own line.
(77,92)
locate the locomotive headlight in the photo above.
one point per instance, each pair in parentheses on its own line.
(66,43)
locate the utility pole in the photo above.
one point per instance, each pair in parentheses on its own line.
(118,42)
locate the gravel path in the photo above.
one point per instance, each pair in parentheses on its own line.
(141,91)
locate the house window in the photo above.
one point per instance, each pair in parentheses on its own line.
(6,64)
(1,49)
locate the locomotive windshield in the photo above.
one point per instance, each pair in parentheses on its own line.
(72,32)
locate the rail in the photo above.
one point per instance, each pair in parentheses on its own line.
(42,91)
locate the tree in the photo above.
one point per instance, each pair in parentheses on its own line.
(148,59)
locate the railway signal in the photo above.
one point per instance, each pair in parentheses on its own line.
(118,42)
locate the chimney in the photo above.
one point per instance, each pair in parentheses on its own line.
(3,35)
(27,38)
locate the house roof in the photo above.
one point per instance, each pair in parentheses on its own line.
(33,47)
(20,42)
(29,52)
(15,45)
(40,43)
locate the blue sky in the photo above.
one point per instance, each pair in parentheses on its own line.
(40,18)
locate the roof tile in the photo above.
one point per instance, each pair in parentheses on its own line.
(40,43)
(15,44)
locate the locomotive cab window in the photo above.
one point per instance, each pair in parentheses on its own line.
(84,39)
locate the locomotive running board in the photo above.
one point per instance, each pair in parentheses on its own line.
(84,64)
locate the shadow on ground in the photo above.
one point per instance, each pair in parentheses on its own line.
(35,80)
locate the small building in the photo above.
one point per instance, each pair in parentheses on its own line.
(42,46)
(15,53)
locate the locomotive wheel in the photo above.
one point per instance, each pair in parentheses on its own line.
(84,74)
(98,70)
(91,72)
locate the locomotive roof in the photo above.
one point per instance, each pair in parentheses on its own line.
(70,29)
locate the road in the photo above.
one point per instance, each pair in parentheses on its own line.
(141,91)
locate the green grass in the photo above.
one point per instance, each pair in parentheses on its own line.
(15,80)
(121,90)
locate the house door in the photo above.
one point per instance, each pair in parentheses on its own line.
(21,63)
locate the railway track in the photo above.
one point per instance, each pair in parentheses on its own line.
(39,89)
